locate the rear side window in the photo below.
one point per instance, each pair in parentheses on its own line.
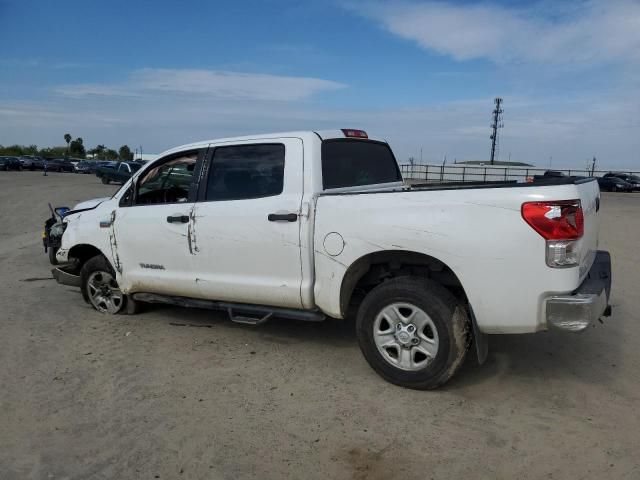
(246,171)
(350,163)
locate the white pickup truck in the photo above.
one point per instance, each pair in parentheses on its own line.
(306,225)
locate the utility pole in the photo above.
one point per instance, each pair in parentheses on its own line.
(593,166)
(495,125)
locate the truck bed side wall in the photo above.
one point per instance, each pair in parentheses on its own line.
(479,234)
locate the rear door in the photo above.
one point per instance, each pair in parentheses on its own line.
(246,223)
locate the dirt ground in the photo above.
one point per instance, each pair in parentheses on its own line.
(84,395)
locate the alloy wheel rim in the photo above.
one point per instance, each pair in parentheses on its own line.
(405,336)
(104,293)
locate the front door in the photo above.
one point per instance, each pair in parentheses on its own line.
(152,233)
(246,224)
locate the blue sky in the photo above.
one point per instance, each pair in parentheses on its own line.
(421,74)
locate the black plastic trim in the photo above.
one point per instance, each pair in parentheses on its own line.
(305,315)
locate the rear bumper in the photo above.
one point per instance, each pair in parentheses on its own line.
(576,311)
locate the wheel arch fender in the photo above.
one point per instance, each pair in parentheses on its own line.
(395,258)
(82,252)
(400,260)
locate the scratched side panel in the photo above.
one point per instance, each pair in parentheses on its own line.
(479,234)
(154,255)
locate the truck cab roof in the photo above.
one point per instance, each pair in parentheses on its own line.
(303,134)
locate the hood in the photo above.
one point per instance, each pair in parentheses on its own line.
(88,204)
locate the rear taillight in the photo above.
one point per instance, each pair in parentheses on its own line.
(555,220)
(561,224)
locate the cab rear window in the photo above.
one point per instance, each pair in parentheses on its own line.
(352,163)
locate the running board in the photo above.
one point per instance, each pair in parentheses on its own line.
(248,320)
(238,312)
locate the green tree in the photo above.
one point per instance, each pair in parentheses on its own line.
(30,150)
(125,153)
(110,154)
(53,152)
(76,148)
(12,150)
(98,151)
(67,138)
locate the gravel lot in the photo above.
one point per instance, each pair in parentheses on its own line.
(84,395)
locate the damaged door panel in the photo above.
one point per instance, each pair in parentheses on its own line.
(191,234)
(113,242)
(153,239)
(247,247)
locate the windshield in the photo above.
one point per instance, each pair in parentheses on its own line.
(351,163)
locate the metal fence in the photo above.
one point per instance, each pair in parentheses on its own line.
(486,173)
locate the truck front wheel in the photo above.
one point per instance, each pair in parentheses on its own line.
(52,255)
(105,180)
(413,332)
(99,286)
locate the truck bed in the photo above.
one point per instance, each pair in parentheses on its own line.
(431,186)
(477,230)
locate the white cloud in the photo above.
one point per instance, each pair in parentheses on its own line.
(210,83)
(571,130)
(592,31)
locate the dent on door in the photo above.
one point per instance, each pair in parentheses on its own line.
(191,233)
(113,242)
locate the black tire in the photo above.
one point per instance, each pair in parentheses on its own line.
(448,315)
(52,255)
(98,264)
(105,180)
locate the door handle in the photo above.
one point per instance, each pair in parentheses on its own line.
(178,219)
(282,217)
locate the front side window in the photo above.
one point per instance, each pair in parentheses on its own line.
(168,182)
(246,171)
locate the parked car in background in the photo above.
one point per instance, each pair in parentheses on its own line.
(634,180)
(121,173)
(75,161)
(102,166)
(10,163)
(59,165)
(85,166)
(614,184)
(552,173)
(31,163)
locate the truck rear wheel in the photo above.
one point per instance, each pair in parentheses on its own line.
(105,180)
(413,332)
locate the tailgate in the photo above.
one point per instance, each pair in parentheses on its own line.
(589,194)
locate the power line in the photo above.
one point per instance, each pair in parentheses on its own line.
(495,125)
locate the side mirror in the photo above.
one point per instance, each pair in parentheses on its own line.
(61,211)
